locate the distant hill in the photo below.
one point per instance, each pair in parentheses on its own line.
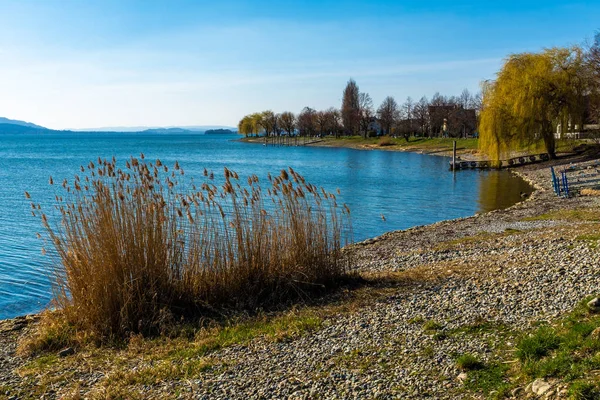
(168,130)
(193,128)
(219,132)
(21,123)
(16,128)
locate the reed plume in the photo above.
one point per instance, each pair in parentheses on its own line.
(132,246)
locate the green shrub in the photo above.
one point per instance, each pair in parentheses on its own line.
(432,325)
(385,141)
(468,362)
(538,345)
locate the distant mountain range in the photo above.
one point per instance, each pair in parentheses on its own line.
(16,126)
(20,123)
(158,129)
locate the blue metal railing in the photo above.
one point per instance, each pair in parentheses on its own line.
(560,185)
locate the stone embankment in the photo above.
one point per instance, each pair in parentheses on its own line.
(505,270)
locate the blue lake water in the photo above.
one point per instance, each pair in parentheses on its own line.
(408,189)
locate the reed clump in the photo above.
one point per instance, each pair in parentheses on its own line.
(141,247)
(385,141)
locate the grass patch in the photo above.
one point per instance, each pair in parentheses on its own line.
(413,143)
(147,361)
(385,141)
(590,237)
(567,215)
(416,320)
(538,345)
(584,390)
(160,371)
(468,362)
(478,237)
(53,333)
(431,326)
(489,379)
(191,349)
(568,350)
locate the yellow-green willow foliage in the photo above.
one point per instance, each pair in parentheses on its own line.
(251,124)
(533,92)
(245,126)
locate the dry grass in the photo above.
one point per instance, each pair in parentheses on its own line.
(589,192)
(193,351)
(574,215)
(385,141)
(140,248)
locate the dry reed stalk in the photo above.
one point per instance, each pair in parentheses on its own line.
(135,251)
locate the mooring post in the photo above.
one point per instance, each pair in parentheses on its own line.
(454,156)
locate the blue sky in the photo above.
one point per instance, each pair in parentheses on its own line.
(82,64)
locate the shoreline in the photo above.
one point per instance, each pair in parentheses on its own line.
(363,147)
(397,339)
(467,154)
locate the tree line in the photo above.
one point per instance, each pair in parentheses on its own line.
(534,96)
(441,116)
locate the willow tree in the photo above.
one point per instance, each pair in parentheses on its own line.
(532,93)
(257,123)
(245,126)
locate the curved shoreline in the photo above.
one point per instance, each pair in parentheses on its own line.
(359,147)
(443,151)
(504,267)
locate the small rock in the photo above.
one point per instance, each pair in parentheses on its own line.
(595,333)
(516,392)
(66,352)
(594,304)
(462,376)
(540,386)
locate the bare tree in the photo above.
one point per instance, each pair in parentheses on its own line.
(465,99)
(592,57)
(307,121)
(269,122)
(350,110)
(334,121)
(287,120)
(476,102)
(421,115)
(438,113)
(408,109)
(322,120)
(388,114)
(365,112)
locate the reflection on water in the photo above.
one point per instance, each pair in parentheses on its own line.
(501,189)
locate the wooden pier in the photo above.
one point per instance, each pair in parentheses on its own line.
(487,164)
(284,140)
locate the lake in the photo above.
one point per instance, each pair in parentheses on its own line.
(408,189)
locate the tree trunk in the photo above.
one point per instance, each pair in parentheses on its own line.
(549,140)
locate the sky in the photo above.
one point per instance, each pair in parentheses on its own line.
(69,64)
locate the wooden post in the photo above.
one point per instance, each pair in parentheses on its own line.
(454,156)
